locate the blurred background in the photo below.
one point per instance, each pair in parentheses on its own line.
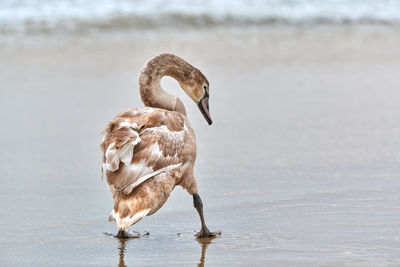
(36,16)
(300,167)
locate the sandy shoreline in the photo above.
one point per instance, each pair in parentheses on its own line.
(300,166)
(320,39)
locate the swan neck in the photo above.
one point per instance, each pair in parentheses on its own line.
(151,92)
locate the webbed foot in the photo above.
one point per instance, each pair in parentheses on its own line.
(128,234)
(205,233)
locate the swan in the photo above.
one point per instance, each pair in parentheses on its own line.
(147,151)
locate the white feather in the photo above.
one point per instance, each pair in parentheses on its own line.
(127,221)
(144,177)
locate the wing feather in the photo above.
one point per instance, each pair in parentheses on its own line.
(141,143)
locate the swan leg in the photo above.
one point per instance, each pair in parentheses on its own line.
(204,232)
(126,234)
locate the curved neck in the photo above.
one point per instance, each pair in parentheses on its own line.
(150,82)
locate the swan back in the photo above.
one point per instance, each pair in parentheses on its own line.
(141,143)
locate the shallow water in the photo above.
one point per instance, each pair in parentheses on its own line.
(300,167)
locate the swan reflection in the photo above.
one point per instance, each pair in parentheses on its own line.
(121,247)
(204,242)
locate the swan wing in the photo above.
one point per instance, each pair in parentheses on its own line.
(141,143)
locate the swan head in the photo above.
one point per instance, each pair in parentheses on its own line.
(191,80)
(196,86)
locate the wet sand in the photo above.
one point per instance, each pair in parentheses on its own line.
(300,167)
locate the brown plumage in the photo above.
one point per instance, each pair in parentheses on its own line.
(148,151)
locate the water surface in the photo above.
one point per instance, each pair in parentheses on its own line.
(300,167)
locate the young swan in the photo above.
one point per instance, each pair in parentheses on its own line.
(150,150)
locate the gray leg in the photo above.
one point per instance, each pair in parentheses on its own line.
(204,232)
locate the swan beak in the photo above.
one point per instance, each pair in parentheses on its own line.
(205,110)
